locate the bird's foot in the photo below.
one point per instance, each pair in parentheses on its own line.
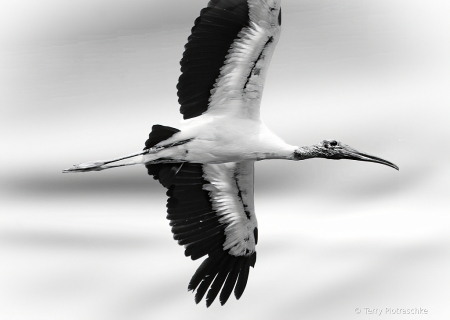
(136,158)
(86,167)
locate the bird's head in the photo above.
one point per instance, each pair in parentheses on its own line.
(335,150)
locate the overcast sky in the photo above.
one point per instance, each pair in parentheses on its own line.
(85,80)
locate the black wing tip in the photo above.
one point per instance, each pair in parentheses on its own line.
(221,273)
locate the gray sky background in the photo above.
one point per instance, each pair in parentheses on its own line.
(86,80)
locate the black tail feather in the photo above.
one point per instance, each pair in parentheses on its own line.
(159,133)
(163,172)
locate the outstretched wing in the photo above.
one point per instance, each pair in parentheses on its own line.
(227,57)
(211,211)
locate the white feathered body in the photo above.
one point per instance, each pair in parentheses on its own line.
(219,140)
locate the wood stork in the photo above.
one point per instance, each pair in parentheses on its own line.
(207,166)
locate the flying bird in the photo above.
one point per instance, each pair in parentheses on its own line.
(208,164)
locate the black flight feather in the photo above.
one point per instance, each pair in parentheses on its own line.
(213,33)
(243,275)
(230,282)
(203,271)
(225,266)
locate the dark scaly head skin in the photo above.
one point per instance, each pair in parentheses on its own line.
(336,150)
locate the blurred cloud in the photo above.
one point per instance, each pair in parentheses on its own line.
(66,240)
(57,22)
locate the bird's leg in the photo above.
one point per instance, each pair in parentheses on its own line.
(146,156)
(136,158)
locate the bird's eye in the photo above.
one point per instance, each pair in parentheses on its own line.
(333,143)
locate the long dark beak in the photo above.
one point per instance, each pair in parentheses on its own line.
(352,154)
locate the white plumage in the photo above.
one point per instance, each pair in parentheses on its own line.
(208,165)
(231,191)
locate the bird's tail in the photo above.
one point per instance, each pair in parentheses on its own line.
(164,172)
(159,133)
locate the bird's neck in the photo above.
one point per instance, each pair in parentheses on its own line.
(293,153)
(307,152)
